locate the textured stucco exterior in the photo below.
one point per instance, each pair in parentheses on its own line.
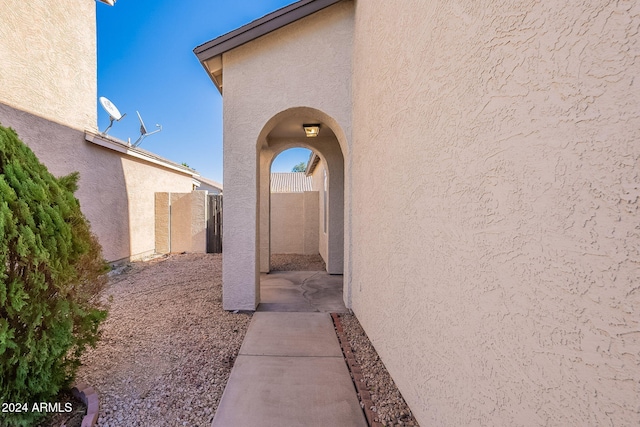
(116,192)
(163,223)
(181,222)
(143,180)
(496,180)
(102,187)
(258,86)
(48,57)
(331,242)
(317,182)
(294,223)
(48,91)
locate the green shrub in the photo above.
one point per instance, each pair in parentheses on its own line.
(51,274)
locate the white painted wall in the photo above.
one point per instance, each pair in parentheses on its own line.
(258,85)
(496,182)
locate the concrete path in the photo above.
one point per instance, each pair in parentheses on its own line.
(301,291)
(290,370)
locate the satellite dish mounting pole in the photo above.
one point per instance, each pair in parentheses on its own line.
(112,119)
(143,131)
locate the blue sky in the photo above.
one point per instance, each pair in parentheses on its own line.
(146,63)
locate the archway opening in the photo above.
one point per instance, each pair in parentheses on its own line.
(294,219)
(297,210)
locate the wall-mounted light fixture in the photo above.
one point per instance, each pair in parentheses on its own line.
(109,2)
(311,130)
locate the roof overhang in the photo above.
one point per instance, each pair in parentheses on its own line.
(127,150)
(211,183)
(210,53)
(313,161)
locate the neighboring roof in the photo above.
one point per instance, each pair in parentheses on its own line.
(290,182)
(313,161)
(107,141)
(210,182)
(210,53)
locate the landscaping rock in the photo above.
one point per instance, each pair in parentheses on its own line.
(168,347)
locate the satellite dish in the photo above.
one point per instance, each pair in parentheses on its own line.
(143,131)
(143,128)
(109,2)
(112,110)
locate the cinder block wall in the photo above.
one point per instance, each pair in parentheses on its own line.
(294,223)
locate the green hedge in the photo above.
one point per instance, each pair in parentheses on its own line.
(51,274)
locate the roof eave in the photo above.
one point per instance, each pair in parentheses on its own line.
(260,27)
(211,52)
(311,163)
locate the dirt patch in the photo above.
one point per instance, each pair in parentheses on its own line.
(297,262)
(72,418)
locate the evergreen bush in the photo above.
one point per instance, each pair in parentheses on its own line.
(51,275)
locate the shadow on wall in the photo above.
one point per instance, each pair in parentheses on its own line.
(102,190)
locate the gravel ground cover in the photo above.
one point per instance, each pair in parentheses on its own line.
(295,262)
(390,407)
(167,347)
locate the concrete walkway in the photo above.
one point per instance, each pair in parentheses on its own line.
(301,291)
(290,370)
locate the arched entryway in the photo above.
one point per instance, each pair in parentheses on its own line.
(283,131)
(296,211)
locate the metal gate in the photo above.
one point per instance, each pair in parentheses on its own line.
(214,224)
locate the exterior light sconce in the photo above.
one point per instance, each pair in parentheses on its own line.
(311,130)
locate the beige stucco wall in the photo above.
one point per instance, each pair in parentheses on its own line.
(331,243)
(102,187)
(163,223)
(310,223)
(317,183)
(48,57)
(143,180)
(496,176)
(181,220)
(259,84)
(294,223)
(48,95)
(116,192)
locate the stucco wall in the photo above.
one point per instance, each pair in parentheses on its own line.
(294,223)
(48,95)
(259,84)
(317,183)
(48,57)
(163,223)
(116,192)
(496,175)
(102,187)
(143,180)
(181,222)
